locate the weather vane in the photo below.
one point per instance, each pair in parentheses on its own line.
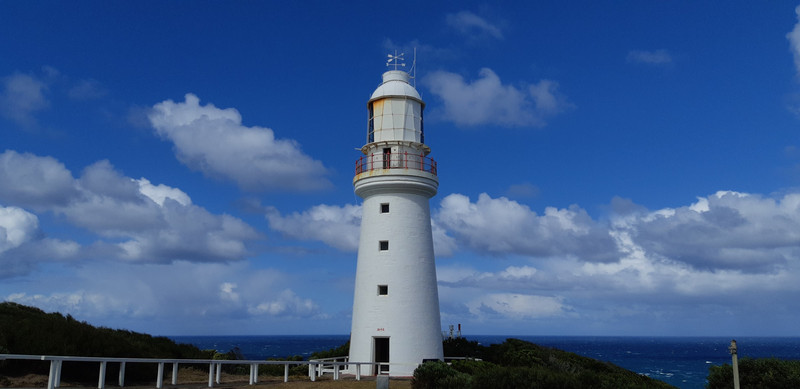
(395,60)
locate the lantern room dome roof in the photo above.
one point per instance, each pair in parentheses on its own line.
(395,83)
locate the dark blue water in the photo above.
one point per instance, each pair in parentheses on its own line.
(679,361)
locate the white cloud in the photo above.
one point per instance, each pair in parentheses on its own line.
(16,227)
(215,142)
(469,24)
(160,193)
(33,181)
(657,57)
(22,96)
(516,306)
(336,226)
(503,226)
(287,303)
(794,40)
(727,230)
(133,219)
(488,101)
(171,294)
(727,252)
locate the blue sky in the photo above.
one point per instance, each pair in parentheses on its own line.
(605,168)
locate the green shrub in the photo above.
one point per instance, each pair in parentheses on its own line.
(341,351)
(763,373)
(439,375)
(463,348)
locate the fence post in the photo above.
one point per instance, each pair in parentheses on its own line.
(286,373)
(160,380)
(358,372)
(51,379)
(175,373)
(122,374)
(101,380)
(211,375)
(219,371)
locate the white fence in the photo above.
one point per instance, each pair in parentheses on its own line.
(316,367)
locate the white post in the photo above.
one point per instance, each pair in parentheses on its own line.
(219,371)
(51,379)
(175,373)
(251,374)
(286,373)
(160,379)
(255,373)
(358,372)
(211,375)
(312,371)
(335,371)
(101,381)
(734,351)
(58,372)
(122,374)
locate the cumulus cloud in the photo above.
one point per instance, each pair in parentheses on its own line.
(287,303)
(725,249)
(727,230)
(657,57)
(503,226)
(516,306)
(794,40)
(160,193)
(23,245)
(33,181)
(336,226)
(214,142)
(171,294)
(22,96)
(134,219)
(488,101)
(467,23)
(16,227)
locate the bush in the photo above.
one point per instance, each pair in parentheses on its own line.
(763,373)
(341,351)
(439,375)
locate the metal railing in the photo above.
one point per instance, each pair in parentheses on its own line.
(316,368)
(404,160)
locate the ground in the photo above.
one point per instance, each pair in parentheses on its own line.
(188,378)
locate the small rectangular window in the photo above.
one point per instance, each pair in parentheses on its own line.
(384,245)
(385,208)
(383,290)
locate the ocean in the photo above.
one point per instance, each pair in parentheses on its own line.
(679,361)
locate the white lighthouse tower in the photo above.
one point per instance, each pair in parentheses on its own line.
(396,304)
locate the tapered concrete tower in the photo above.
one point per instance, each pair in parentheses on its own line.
(396,303)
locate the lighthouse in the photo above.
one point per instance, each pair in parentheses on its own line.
(396,304)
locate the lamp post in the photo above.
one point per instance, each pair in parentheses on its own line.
(733,352)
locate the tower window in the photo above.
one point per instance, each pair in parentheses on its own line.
(383,290)
(384,207)
(383,245)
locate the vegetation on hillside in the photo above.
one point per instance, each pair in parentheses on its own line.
(28,330)
(765,373)
(519,364)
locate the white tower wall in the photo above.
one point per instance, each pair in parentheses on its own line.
(396,302)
